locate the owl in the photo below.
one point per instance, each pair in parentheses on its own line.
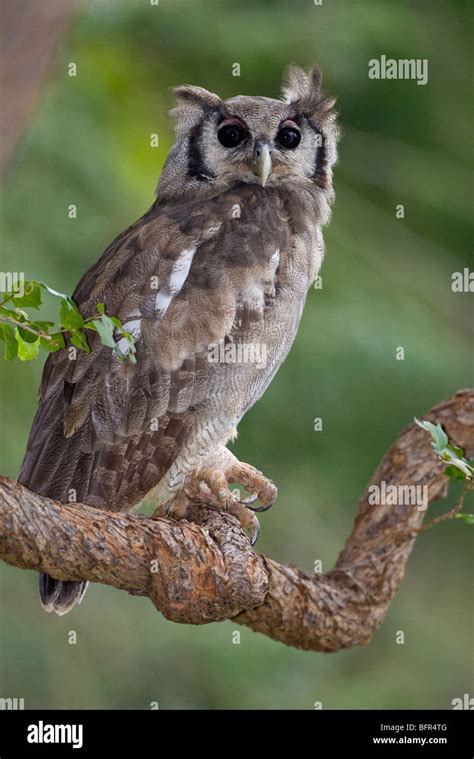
(211,282)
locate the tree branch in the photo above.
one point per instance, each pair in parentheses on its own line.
(30,36)
(205,570)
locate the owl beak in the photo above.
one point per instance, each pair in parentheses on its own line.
(262,162)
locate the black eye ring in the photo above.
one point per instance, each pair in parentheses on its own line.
(289,138)
(231,135)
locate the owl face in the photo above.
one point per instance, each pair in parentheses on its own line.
(251,139)
(257,140)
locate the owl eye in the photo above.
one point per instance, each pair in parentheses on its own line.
(231,135)
(289,138)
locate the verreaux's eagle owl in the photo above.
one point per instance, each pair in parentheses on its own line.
(221,262)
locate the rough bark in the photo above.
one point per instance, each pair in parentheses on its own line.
(205,570)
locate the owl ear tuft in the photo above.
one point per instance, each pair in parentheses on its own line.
(297,84)
(191,104)
(303,90)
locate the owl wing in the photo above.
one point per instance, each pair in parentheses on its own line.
(106,430)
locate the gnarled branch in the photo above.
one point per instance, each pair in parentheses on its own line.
(205,570)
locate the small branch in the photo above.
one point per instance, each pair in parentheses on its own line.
(205,570)
(7,298)
(449,514)
(25,326)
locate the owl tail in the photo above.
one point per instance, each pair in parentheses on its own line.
(60,595)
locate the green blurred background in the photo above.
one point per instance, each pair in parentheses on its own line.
(386,283)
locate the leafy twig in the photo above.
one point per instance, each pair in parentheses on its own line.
(17,328)
(25,326)
(457,468)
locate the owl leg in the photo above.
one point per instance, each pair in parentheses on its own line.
(210,483)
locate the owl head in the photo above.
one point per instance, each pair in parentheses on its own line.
(251,139)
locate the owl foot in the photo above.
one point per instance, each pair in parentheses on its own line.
(210,486)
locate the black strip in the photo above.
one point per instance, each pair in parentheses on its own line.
(364,731)
(320,158)
(195,162)
(196,166)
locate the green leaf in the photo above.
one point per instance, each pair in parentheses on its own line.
(26,351)
(27,336)
(55,344)
(448,452)
(457,451)
(79,339)
(7,335)
(105,328)
(467,518)
(438,435)
(454,473)
(45,326)
(460,464)
(69,315)
(31,297)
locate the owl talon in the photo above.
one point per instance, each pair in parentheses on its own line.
(259,509)
(249,500)
(261,487)
(247,519)
(255,533)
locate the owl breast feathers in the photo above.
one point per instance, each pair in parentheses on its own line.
(211,282)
